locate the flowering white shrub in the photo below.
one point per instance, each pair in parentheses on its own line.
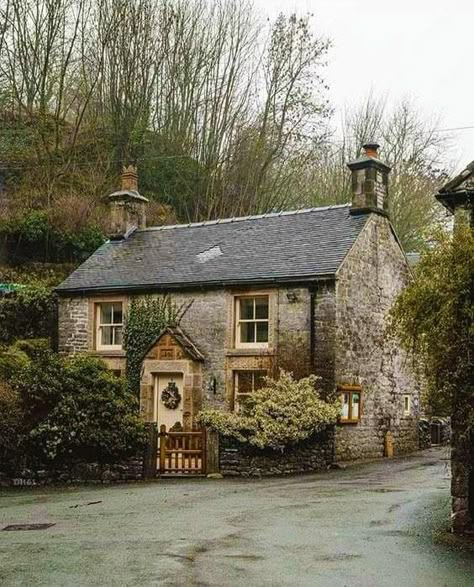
(284,411)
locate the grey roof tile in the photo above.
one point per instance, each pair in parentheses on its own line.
(300,244)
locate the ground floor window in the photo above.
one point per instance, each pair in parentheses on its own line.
(246,382)
(351,404)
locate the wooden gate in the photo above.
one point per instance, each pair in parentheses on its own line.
(182,453)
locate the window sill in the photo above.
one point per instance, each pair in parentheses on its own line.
(249,352)
(107,353)
(344,422)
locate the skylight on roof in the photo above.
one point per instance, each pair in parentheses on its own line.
(209,254)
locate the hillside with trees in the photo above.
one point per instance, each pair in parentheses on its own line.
(224,113)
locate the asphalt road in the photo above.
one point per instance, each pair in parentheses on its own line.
(368,525)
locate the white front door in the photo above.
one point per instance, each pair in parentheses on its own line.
(163,414)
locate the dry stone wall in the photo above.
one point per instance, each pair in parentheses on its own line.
(240,460)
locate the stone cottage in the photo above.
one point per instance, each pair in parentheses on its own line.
(307,291)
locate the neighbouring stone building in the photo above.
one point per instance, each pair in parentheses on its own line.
(307,291)
(458,197)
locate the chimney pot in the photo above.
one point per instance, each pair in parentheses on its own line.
(129,179)
(371,149)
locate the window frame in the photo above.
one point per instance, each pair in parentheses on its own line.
(99,325)
(351,390)
(235,393)
(238,321)
(407,411)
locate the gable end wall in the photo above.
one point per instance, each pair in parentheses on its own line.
(368,282)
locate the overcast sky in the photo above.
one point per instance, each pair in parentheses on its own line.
(419,48)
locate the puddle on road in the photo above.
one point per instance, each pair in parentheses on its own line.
(23,527)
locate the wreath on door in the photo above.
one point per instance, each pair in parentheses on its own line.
(170,396)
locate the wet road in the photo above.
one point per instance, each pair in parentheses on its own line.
(368,525)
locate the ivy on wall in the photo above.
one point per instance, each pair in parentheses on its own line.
(147,317)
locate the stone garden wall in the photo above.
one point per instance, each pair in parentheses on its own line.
(130,470)
(240,460)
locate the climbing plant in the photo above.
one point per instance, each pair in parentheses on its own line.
(433,319)
(146,318)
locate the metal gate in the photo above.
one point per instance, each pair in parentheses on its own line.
(182,453)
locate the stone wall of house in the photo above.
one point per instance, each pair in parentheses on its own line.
(368,282)
(209,323)
(294,331)
(314,454)
(324,334)
(205,322)
(73,318)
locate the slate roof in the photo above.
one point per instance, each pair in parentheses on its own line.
(275,247)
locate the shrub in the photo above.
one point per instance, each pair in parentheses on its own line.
(11,427)
(77,410)
(283,412)
(29,312)
(12,361)
(45,274)
(40,385)
(34,237)
(16,357)
(434,320)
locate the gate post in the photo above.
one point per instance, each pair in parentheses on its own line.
(151,451)
(162,448)
(211,440)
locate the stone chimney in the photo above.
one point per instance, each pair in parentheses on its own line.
(369,182)
(127,206)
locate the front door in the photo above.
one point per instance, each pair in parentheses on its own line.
(168,408)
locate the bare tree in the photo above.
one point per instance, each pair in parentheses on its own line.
(271,152)
(205,85)
(410,144)
(225,115)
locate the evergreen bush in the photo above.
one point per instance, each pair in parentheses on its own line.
(283,412)
(12,428)
(28,312)
(74,410)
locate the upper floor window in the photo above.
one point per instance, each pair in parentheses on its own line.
(351,405)
(252,316)
(109,325)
